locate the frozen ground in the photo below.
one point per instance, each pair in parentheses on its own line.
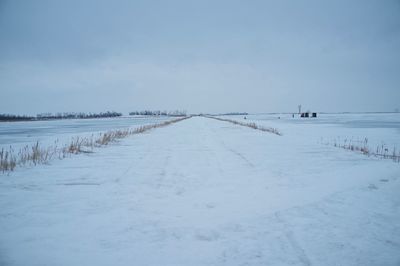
(378,128)
(19,134)
(206,192)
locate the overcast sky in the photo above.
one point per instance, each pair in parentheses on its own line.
(201,56)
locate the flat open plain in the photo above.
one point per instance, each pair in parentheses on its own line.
(204,192)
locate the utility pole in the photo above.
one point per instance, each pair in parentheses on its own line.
(299,106)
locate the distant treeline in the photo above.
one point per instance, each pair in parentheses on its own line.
(156,113)
(50,116)
(9,117)
(236,113)
(45,116)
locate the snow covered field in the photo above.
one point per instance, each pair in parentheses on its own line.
(19,134)
(378,128)
(207,192)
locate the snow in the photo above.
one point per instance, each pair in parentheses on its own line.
(378,128)
(19,134)
(206,192)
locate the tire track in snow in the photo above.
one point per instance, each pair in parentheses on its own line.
(131,165)
(300,252)
(231,150)
(241,156)
(238,154)
(165,165)
(163,173)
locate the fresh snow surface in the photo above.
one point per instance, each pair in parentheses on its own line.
(206,192)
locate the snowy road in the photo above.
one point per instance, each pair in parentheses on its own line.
(203,192)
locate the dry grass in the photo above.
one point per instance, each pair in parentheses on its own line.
(250,125)
(381,151)
(7,160)
(36,154)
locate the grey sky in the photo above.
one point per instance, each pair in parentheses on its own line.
(202,56)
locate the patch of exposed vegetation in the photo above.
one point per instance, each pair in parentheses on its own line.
(250,125)
(37,154)
(361,146)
